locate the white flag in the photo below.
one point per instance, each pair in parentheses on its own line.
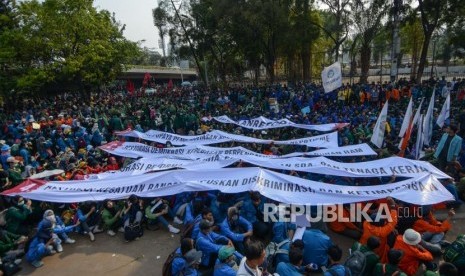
(419,143)
(445,112)
(428,122)
(332,77)
(407,117)
(378,132)
(416,118)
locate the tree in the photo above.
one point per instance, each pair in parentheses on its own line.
(412,39)
(367,16)
(68,45)
(8,51)
(336,23)
(160,20)
(433,14)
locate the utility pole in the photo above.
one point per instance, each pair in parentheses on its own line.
(395,50)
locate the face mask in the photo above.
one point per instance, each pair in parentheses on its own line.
(51,218)
(20,203)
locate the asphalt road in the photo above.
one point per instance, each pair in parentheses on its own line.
(112,256)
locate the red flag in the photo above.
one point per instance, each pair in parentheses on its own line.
(170,84)
(406,139)
(130,86)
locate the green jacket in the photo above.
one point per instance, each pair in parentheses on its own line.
(379,271)
(15,216)
(7,242)
(148,213)
(108,219)
(371,259)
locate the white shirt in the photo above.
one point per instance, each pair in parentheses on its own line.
(245,270)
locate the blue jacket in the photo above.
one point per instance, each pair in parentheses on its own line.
(287,269)
(36,250)
(228,232)
(249,211)
(338,270)
(179,266)
(280,257)
(316,244)
(208,244)
(280,231)
(454,147)
(223,269)
(196,229)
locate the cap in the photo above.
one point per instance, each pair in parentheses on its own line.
(193,256)
(411,237)
(225,252)
(5,148)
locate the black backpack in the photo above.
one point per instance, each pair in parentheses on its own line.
(169,262)
(356,262)
(133,231)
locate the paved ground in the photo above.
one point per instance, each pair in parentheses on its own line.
(111,255)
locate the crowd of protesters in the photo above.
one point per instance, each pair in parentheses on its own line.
(224,234)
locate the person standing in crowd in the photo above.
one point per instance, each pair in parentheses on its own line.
(448,148)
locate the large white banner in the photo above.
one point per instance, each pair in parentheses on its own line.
(386,167)
(328,140)
(261,123)
(332,77)
(136,150)
(351,150)
(425,189)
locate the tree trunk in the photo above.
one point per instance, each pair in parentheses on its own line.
(424,53)
(305,56)
(365,55)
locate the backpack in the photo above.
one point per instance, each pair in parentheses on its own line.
(133,231)
(356,262)
(187,231)
(169,262)
(271,250)
(455,250)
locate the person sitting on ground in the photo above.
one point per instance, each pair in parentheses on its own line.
(445,269)
(58,230)
(432,231)
(253,259)
(86,214)
(316,246)
(368,250)
(226,265)
(17,215)
(180,264)
(344,227)
(132,218)
(111,217)
(11,245)
(205,214)
(392,267)
(381,229)
(236,228)
(210,243)
(41,245)
(414,253)
(293,267)
(283,231)
(252,210)
(334,267)
(155,212)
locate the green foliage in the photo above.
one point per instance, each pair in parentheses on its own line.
(66,44)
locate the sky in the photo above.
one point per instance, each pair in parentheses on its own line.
(137,15)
